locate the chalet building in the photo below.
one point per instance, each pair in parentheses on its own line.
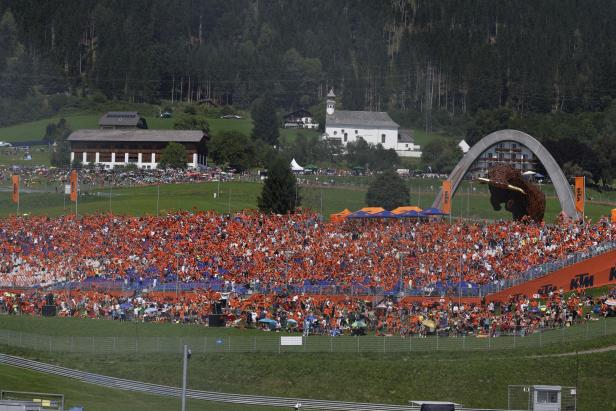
(300,119)
(143,148)
(374,127)
(115,120)
(507,152)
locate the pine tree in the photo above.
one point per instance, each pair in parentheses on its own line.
(388,191)
(280,192)
(265,120)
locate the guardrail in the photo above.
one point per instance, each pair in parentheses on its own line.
(271,343)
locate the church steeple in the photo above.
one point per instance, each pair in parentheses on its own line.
(331,102)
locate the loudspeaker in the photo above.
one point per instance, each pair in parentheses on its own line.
(216,320)
(49,311)
(49,299)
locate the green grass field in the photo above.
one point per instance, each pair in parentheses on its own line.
(235,196)
(35,130)
(475,379)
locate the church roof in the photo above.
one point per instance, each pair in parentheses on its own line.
(360,118)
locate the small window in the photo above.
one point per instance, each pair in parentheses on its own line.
(547,397)
(345,137)
(406,145)
(335,132)
(383,138)
(343,130)
(514,145)
(355,131)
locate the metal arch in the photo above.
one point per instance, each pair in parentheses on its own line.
(565,196)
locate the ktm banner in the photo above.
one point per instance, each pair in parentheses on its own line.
(580,193)
(73,182)
(15,180)
(446,203)
(594,272)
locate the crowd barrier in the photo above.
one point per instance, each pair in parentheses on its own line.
(270,342)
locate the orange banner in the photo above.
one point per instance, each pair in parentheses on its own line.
(446,203)
(73,181)
(15,189)
(580,193)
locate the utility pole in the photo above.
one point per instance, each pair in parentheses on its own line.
(157,198)
(186,357)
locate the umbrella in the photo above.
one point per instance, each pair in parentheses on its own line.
(291,321)
(150,310)
(611,302)
(429,323)
(358,324)
(126,306)
(267,321)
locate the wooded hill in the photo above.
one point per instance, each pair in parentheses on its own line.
(396,55)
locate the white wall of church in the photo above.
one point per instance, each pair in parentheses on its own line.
(387,137)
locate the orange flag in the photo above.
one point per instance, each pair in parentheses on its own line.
(580,193)
(446,203)
(73,181)
(15,189)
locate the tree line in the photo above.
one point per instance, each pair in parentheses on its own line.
(458,56)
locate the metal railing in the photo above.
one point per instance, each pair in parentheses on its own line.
(271,342)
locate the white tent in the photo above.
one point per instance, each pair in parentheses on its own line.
(295,166)
(528,173)
(464,146)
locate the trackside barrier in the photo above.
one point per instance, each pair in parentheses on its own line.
(270,342)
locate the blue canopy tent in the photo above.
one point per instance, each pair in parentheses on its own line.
(409,214)
(359,214)
(432,212)
(383,214)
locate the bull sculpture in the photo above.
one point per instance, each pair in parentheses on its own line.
(521,197)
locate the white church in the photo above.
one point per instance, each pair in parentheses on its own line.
(374,127)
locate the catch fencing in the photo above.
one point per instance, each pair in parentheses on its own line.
(270,342)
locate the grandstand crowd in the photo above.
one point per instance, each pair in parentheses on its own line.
(256,262)
(256,252)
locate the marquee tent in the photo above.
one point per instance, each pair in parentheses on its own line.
(339,217)
(295,166)
(372,210)
(432,211)
(404,209)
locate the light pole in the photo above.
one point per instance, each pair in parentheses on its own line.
(186,357)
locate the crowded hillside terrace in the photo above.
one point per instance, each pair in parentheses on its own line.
(251,252)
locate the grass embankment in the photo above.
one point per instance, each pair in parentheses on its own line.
(94,398)
(235,196)
(476,378)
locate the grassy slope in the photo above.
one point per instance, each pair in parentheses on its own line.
(35,130)
(142,200)
(94,398)
(477,379)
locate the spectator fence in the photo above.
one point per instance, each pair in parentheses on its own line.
(270,342)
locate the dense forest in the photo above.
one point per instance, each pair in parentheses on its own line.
(397,55)
(547,67)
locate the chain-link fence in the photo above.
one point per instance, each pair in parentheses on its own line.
(271,342)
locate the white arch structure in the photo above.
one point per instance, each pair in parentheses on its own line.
(563,191)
